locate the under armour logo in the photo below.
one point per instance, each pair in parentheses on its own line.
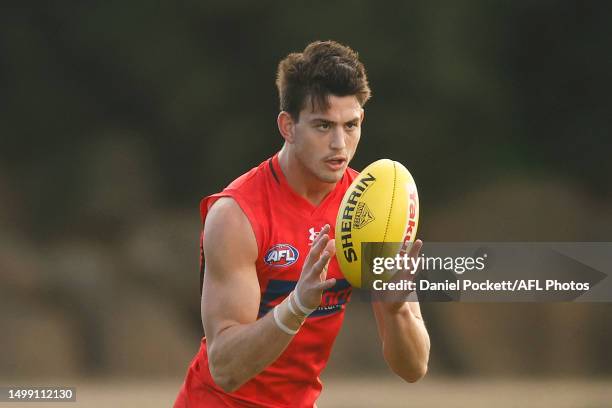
(313,235)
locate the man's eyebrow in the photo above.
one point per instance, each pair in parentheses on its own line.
(314,120)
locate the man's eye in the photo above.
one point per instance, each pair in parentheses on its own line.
(323,126)
(351,125)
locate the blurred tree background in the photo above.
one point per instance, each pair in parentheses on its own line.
(117,117)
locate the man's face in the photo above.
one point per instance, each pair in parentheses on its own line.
(325,142)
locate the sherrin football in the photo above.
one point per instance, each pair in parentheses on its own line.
(381,206)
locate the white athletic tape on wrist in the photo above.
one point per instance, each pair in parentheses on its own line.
(280,324)
(291,308)
(300,306)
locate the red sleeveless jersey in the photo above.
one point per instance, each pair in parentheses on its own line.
(285,225)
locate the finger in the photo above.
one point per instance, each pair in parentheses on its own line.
(416,248)
(323,231)
(330,247)
(316,250)
(317,268)
(326,284)
(322,262)
(410,271)
(414,254)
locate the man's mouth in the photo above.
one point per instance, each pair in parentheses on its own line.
(336,162)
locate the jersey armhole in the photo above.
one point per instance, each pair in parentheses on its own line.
(244,206)
(205,205)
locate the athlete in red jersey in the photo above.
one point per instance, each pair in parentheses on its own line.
(273,297)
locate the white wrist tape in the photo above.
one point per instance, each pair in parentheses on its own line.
(300,306)
(291,308)
(280,324)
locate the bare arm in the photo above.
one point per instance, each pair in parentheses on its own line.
(405,340)
(239,345)
(404,335)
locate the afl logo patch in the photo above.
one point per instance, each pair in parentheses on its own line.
(281,255)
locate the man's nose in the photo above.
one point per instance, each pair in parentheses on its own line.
(338,139)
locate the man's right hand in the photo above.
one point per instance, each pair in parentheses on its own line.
(313,279)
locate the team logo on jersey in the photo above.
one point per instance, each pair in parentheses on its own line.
(281,255)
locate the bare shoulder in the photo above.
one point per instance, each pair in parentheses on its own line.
(228,232)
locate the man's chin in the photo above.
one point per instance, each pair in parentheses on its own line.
(331,176)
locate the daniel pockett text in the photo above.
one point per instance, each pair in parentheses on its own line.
(504,272)
(488,285)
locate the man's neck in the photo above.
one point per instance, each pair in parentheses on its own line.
(301,180)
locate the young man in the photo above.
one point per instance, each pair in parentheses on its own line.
(273,297)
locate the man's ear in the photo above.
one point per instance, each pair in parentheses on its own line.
(286,126)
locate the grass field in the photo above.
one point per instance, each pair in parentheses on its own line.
(360,392)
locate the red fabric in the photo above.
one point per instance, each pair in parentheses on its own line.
(279,217)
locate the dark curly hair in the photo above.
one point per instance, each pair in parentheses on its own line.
(324,68)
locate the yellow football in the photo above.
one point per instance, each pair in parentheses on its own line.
(381,206)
